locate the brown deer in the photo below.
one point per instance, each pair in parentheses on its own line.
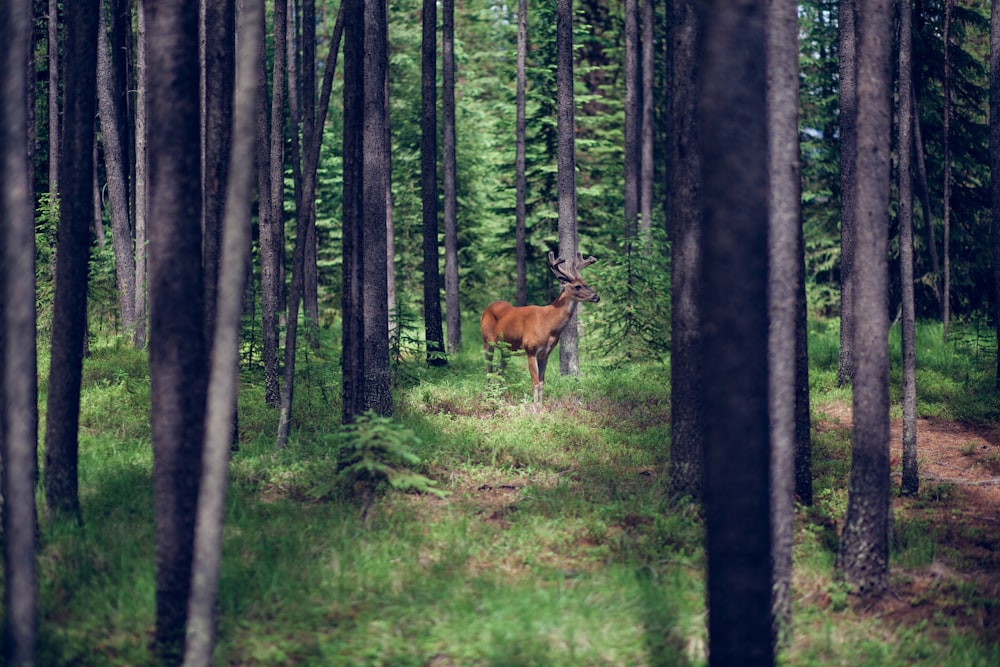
(536,329)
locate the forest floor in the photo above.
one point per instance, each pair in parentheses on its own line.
(957,513)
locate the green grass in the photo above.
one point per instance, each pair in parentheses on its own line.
(556,544)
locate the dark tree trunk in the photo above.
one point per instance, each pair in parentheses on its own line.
(864,552)
(18,357)
(684,213)
(569,355)
(141,180)
(220,411)
(352,352)
(69,323)
(995,169)
(433,327)
(786,263)
(646,168)
(633,121)
(178,359)
(521,252)
(848,185)
(948,85)
(375,168)
(735,325)
(219,71)
(453,311)
(55,132)
(272,249)
(112,117)
(910,482)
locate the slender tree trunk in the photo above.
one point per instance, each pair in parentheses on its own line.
(785,258)
(569,355)
(375,166)
(995,169)
(352,349)
(735,326)
(69,325)
(141,180)
(646,169)
(633,125)
(453,311)
(946,160)
(55,132)
(178,359)
(910,483)
(220,411)
(115,162)
(433,329)
(219,69)
(271,224)
(18,357)
(684,213)
(923,191)
(864,553)
(848,185)
(521,208)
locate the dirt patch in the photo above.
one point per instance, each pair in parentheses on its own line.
(959,502)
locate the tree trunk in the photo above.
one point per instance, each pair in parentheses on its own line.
(948,84)
(864,553)
(69,323)
(220,411)
(569,355)
(352,349)
(451,288)
(375,168)
(521,209)
(735,325)
(848,185)
(55,133)
(633,126)
(433,328)
(178,359)
(684,213)
(910,482)
(115,162)
(646,169)
(272,248)
(995,169)
(141,180)
(785,257)
(219,70)
(18,355)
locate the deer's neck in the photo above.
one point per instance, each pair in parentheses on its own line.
(565,307)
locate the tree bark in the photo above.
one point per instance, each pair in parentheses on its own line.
(141,180)
(433,328)
(910,482)
(452,295)
(633,125)
(178,360)
(848,184)
(864,553)
(684,213)
(521,209)
(948,84)
(735,328)
(69,324)
(220,411)
(995,169)
(646,168)
(18,355)
(569,355)
(115,162)
(375,167)
(785,259)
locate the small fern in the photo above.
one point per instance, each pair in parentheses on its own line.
(375,451)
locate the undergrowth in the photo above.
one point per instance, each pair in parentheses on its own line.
(517,534)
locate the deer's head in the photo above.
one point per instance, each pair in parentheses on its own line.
(568,275)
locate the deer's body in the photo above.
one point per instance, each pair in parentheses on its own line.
(535,329)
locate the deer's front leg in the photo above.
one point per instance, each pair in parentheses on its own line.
(542,360)
(536,366)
